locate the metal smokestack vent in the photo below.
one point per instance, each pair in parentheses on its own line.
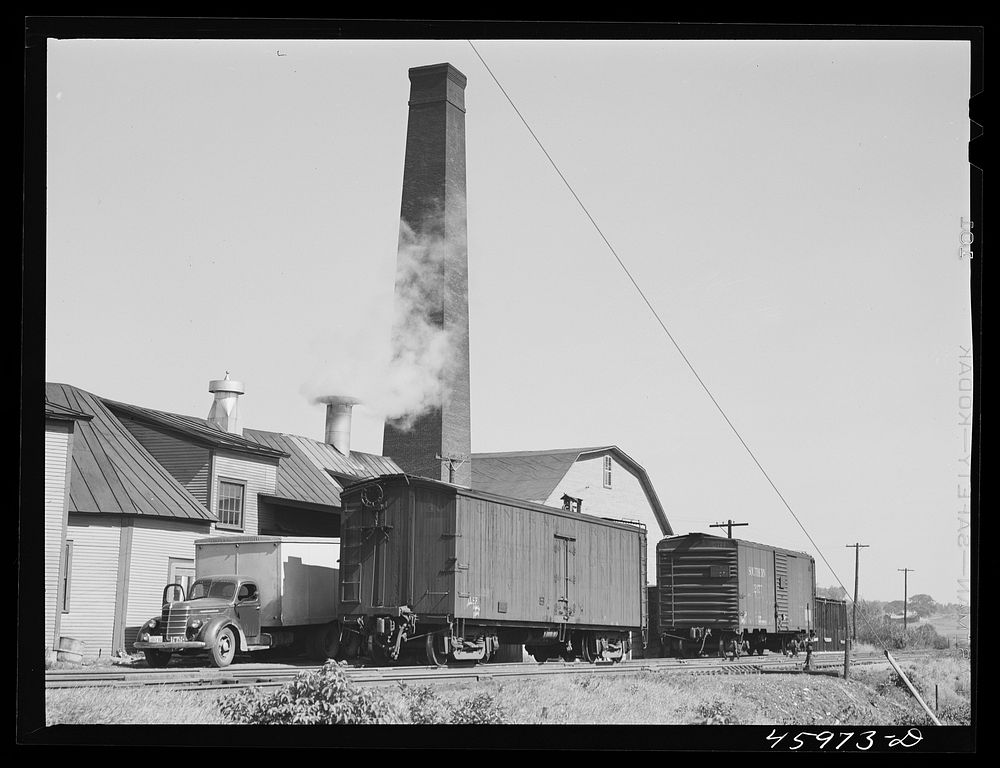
(339,409)
(225,410)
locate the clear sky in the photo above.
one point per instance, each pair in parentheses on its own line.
(792,210)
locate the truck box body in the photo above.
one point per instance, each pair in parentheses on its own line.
(445,550)
(297,577)
(732,585)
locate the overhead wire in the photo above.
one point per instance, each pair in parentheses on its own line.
(662,325)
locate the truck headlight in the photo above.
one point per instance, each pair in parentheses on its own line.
(152,623)
(196,624)
(144,637)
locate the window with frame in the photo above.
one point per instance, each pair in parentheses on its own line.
(67,571)
(607,471)
(231,497)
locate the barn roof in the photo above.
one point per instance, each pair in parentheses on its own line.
(113,473)
(309,469)
(534,475)
(199,430)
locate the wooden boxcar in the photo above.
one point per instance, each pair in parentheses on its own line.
(717,595)
(436,571)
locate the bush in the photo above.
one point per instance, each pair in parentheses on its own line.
(478,709)
(321,697)
(424,707)
(716,713)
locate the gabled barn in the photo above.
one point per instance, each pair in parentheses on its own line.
(602,481)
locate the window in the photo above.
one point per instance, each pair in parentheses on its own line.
(67,570)
(231,504)
(607,471)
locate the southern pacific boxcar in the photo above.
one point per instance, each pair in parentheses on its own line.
(713,591)
(438,572)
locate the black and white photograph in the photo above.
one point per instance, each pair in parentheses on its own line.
(528,375)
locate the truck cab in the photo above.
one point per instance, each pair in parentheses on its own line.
(220,615)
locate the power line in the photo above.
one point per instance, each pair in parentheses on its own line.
(659,320)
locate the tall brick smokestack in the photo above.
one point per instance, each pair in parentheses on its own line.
(434,211)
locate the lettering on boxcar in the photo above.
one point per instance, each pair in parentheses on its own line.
(756,572)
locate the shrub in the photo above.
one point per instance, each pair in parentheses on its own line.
(321,697)
(423,705)
(478,709)
(716,712)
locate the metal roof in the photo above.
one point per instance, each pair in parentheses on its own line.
(113,473)
(199,430)
(56,411)
(307,470)
(534,475)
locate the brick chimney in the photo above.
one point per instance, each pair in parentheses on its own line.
(434,204)
(225,412)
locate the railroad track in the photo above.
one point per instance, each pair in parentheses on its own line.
(275,675)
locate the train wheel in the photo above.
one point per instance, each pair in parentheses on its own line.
(350,646)
(432,655)
(381,656)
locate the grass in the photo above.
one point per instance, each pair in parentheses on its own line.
(873,696)
(130,706)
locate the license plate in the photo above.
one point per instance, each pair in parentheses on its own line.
(177,639)
(155,639)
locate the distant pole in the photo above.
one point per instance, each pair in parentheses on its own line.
(728,525)
(854,608)
(906,572)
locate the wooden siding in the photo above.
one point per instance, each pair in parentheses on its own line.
(626,499)
(188,462)
(260,476)
(154,543)
(93,582)
(57,446)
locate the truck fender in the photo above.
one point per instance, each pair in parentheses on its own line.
(210,632)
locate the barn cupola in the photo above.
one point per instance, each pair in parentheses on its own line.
(225,408)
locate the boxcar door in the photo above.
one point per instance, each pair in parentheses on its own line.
(565,576)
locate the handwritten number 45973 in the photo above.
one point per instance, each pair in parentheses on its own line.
(865,739)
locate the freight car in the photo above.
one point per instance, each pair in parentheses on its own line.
(715,594)
(443,573)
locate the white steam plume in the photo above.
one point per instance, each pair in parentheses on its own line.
(407,378)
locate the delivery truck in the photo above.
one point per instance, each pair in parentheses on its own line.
(250,593)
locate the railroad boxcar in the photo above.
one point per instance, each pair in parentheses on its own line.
(719,595)
(439,572)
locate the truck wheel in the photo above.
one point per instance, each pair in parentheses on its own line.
(225,648)
(158,659)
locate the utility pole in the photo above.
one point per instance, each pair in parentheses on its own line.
(728,525)
(906,572)
(854,611)
(451,464)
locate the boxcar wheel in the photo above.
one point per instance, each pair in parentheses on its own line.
(325,642)
(432,655)
(157,659)
(350,646)
(224,649)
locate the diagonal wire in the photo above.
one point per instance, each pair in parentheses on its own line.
(659,320)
